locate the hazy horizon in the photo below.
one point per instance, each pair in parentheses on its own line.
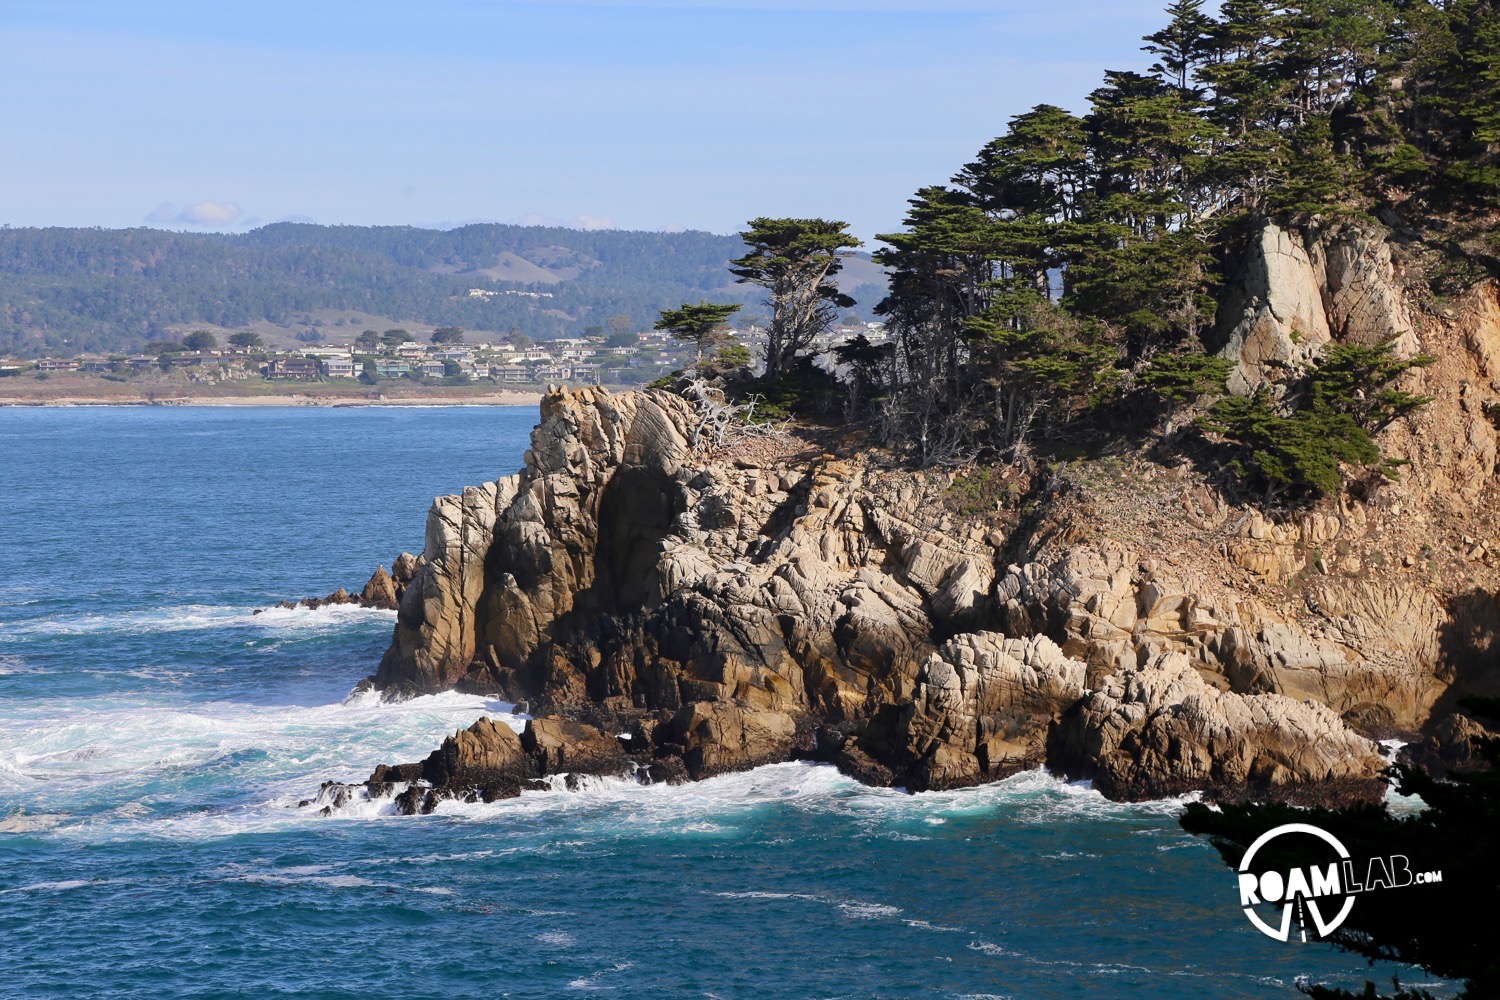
(663,115)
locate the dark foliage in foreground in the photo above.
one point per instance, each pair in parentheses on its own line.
(1446,929)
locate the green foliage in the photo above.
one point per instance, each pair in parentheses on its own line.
(621,338)
(368,340)
(1121,223)
(245,340)
(1300,445)
(1302,452)
(701,325)
(1355,379)
(394,338)
(448,335)
(86,287)
(1434,927)
(1180,379)
(795,261)
(163,347)
(730,361)
(804,391)
(200,340)
(979,493)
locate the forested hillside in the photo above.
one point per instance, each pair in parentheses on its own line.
(77,290)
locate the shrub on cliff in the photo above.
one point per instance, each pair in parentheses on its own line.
(1299,443)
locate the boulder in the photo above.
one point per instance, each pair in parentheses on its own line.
(1159,730)
(380,591)
(981,710)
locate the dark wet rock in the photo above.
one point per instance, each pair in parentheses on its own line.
(1451,744)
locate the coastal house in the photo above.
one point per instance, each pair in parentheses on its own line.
(432,369)
(535,354)
(98,365)
(410,349)
(340,368)
(588,374)
(452,354)
(141,361)
(392,369)
(196,358)
(553,373)
(292,368)
(510,373)
(57,365)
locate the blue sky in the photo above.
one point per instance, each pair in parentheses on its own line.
(200,115)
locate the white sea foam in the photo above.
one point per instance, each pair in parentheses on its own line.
(593,982)
(62,886)
(274,756)
(21,822)
(196,617)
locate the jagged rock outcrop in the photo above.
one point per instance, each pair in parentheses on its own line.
(489,761)
(777,597)
(981,710)
(1159,730)
(1299,290)
(383,590)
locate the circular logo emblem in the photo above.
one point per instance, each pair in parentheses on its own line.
(1298,889)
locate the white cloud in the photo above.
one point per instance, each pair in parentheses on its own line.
(592,222)
(212,214)
(583,220)
(164,213)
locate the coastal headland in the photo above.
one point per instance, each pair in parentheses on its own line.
(672,600)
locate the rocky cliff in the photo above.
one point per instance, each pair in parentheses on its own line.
(730,604)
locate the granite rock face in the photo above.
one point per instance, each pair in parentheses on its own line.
(728,611)
(729,604)
(1299,290)
(1159,730)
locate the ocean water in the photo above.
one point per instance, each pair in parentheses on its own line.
(156,737)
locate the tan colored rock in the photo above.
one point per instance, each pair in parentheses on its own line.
(1159,730)
(632,571)
(561,746)
(380,591)
(981,709)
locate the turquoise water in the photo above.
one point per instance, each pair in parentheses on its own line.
(156,736)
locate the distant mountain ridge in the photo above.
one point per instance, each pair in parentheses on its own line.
(73,291)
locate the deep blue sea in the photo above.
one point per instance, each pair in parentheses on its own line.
(156,736)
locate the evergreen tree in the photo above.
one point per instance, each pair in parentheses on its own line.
(1182,45)
(701,325)
(795,260)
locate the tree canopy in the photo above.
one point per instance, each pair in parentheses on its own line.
(1099,243)
(700,325)
(795,260)
(245,339)
(200,340)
